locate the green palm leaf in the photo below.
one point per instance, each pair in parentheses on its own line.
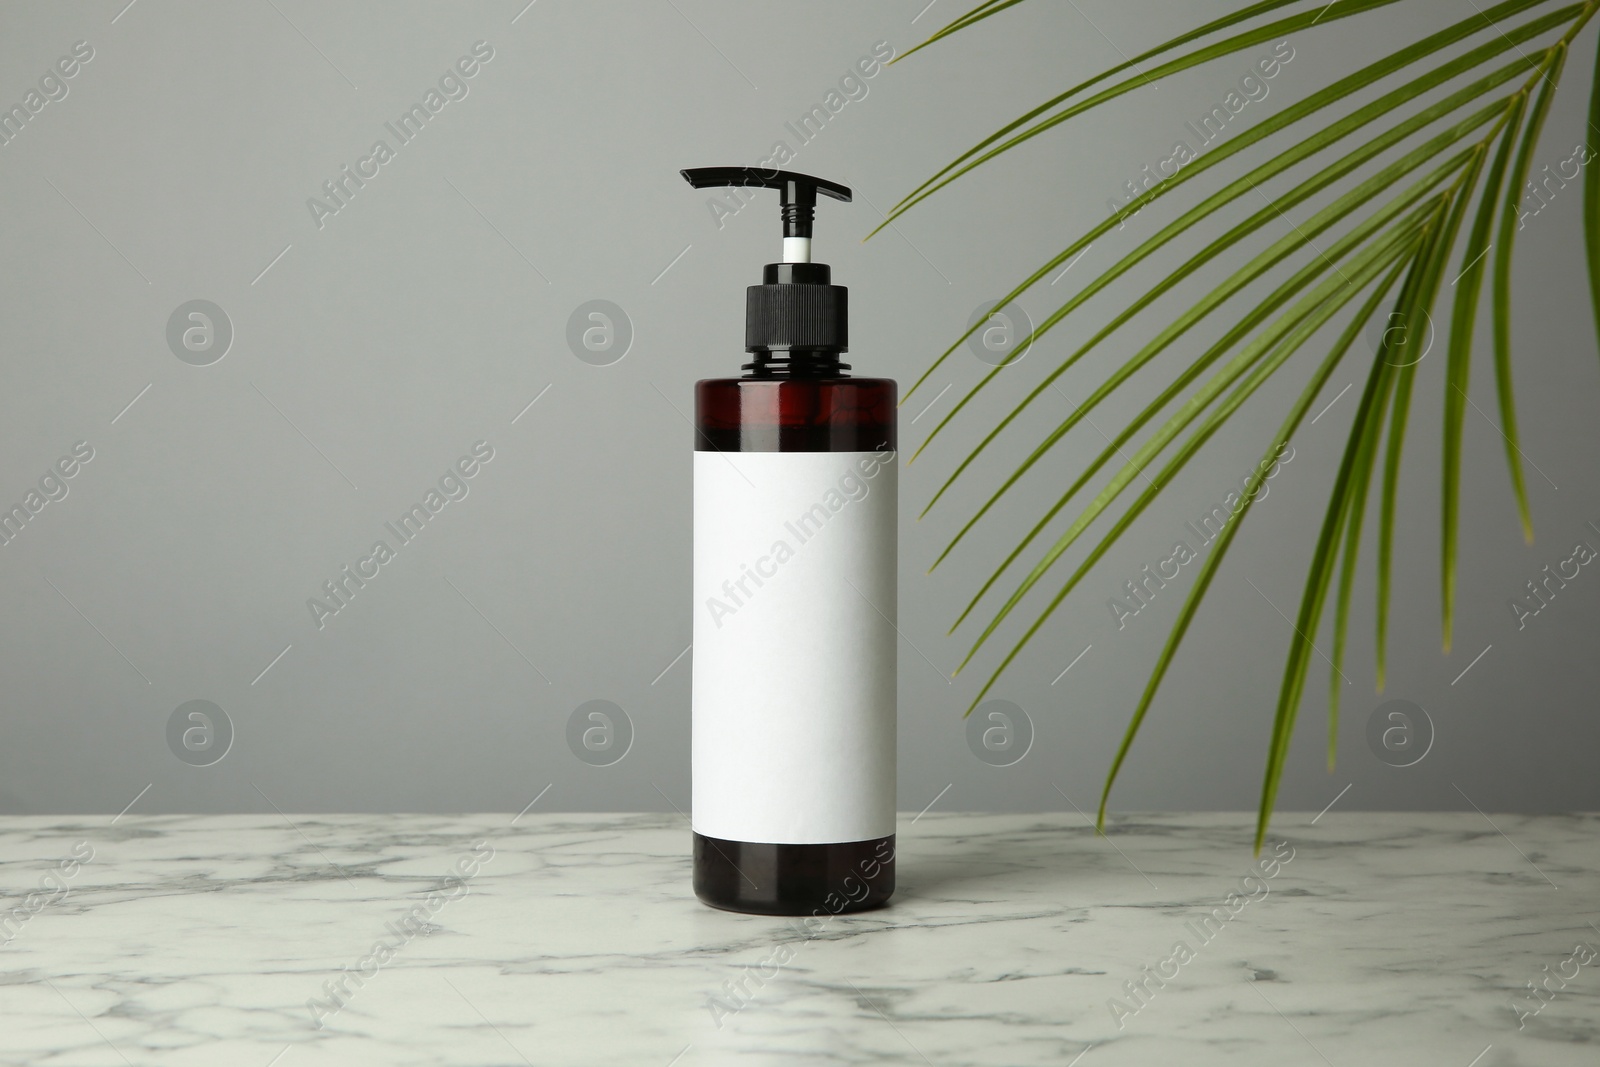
(1339,90)
(1328,259)
(1257,267)
(1388,225)
(1367,263)
(1234,44)
(1225,539)
(1413,320)
(1463,315)
(1591,203)
(1355,512)
(1504,242)
(1324,98)
(1249,182)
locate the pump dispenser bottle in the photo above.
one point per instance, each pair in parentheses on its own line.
(795,514)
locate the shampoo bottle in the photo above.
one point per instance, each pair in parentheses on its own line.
(795,515)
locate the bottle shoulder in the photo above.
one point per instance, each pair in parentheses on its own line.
(795,414)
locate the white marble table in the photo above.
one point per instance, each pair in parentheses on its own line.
(574,939)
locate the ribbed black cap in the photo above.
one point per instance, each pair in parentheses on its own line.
(796,308)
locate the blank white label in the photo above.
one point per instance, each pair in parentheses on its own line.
(794,645)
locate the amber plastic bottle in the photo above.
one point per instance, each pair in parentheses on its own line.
(795,505)
(795,401)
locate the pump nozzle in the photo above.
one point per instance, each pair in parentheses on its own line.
(797,196)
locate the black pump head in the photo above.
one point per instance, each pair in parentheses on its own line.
(797,197)
(796,310)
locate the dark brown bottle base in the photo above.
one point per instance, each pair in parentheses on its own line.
(770,879)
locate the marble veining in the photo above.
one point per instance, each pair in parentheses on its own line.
(1360,939)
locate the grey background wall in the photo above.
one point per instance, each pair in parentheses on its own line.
(370,349)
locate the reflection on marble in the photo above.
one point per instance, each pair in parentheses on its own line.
(574,939)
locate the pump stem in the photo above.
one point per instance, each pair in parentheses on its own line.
(796,250)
